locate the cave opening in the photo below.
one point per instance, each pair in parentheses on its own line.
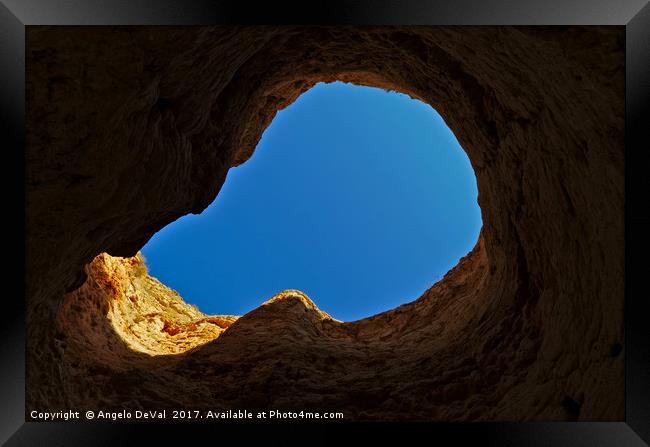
(401,211)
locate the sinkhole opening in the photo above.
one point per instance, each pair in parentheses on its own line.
(359,197)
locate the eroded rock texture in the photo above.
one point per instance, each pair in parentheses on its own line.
(120,298)
(131,128)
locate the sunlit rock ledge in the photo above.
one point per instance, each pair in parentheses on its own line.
(150,317)
(147,315)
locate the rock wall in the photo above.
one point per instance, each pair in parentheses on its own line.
(130,128)
(121,306)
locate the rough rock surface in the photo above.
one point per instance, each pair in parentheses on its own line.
(130,128)
(120,298)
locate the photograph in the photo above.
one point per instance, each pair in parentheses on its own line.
(470,263)
(256,224)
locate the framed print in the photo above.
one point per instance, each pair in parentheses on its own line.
(414,220)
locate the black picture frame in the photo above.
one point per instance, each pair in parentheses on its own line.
(15,15)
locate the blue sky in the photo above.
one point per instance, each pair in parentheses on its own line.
(359,197)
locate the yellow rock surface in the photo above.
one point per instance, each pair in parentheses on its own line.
(149,316)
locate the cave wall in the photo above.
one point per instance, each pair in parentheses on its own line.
(130,128)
